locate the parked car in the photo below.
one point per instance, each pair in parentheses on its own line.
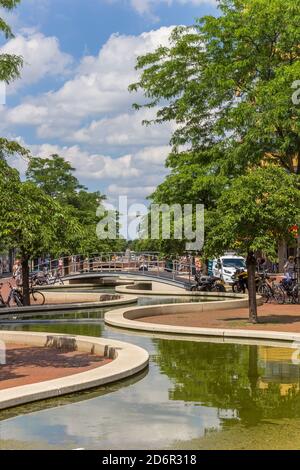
(225,267)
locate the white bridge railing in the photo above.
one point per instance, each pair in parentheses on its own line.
(143,263)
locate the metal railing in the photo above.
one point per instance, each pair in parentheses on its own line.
(142,263)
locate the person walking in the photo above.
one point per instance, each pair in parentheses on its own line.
(17,272)
(60,267)
(290,268)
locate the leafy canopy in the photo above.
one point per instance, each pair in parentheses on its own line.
(30,219)
(54,176)
(10,64)
(254,213)
(227,84)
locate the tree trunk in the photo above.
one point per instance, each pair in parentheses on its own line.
(282,255)
(11,259)
(253,368)
(298,263)
(251,268)
(25,280)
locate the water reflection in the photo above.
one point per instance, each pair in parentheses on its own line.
(253,382)
(190,389)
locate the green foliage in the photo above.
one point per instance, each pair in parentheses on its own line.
(54,176)
(10,64)
(229,377)
(10,148)
(52,212)
(254,213)
(30,219)
(227,82)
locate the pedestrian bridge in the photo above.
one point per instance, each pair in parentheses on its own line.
(143,265)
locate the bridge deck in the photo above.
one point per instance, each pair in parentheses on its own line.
(165,278)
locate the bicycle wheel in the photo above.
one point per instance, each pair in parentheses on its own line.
(236,289)
(279,297)
(295,296)
(264,291)
(18,299)
(38,298)
(279,293)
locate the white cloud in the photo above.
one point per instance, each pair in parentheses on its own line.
(91,121)
(42,57)
(125,130)
(98,88)
(91,166)
(135,175)
(147,6)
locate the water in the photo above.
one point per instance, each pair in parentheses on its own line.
(195,395)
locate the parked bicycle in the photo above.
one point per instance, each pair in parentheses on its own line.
(289,289)
(271,292)
(16,297)
(46,279)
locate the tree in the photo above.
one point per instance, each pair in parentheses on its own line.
(227,82)
(10,148)
(32,221)
(10,64)
(254,214)
(54,175)
(7,149)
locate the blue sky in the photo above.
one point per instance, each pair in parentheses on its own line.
(73,99)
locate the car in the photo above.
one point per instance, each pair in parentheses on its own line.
(225,267)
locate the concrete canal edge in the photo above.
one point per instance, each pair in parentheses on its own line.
(68,301)
(128,360)
(125,318)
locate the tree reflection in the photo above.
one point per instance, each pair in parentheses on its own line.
(254,382)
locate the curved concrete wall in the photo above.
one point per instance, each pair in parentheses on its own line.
(153,288)
(126,318)
(128,360)
(78,297)
(68,303)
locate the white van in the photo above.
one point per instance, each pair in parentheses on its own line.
(226,266)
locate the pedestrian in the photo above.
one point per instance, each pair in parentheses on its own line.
(261,265)
(17,273)
(290,268)
(60,267)
(198,264)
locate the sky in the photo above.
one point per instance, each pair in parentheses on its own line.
(73,99)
